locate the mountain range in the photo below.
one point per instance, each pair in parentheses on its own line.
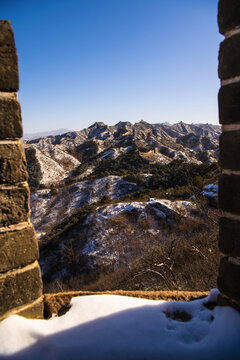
(54,158)
(126,205)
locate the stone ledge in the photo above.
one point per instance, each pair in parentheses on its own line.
(14,205)
(18,249)
(20,287)
(228,15)
(12,163)
(229,279)
(226,301)
(229,104)
(10,119)
(229,145)
(229,58)
(229,193)
(229,231)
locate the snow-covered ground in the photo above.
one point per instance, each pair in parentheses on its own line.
(111,235)
(48,210)
(115,327)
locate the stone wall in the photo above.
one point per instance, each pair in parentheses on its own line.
(229,184)
(20,276)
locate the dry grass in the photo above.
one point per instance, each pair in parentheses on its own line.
(57,303)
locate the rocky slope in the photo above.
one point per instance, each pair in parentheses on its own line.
(108,198)
(55,157)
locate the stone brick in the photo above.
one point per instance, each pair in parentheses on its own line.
(229,279)
(18,249)
(229,57)
(14,205)
(228,15)
(9,79)
(229,236)
(12,163)
(19,288)
(229,104)
(35,311)
(230,150)
(229,193)
(223,300)
(10,119)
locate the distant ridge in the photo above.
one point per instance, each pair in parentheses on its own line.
(37,135)
(54,158)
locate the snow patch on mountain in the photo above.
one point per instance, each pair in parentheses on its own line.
(156,142)
(49,208)
(105,244)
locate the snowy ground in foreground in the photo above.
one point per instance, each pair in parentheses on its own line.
(116,327)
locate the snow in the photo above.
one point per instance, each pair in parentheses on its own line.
(107,245)
(176,206)
(210,190)
(69,199)
(117,327)
(114,153)
(55,163)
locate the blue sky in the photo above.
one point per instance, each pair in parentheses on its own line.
(82,61)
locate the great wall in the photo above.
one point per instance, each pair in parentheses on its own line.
(20,276)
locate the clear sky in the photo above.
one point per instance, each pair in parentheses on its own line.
(82,61)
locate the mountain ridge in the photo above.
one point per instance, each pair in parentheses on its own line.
(59,155)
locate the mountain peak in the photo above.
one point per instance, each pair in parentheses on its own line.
(97,124)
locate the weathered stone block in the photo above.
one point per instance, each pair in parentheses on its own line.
(9,79)
(18,249)
(14,205)
(229,193)
(228,15)
(230,150)
(229,279)
(35,311)
(229,57)
(12,163)
(229,236)
(10,119)
(229,104)
(19,288)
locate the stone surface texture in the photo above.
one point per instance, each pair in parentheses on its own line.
(10,118)
(20,276)
(19,289)
(228,15)
(14,205)
(229,236)
(9,79)
(230,150)
(229,104)
(229,182)
(228,279)
(12,164)
(34,311)
(229,58)
(18,248)
(229,193)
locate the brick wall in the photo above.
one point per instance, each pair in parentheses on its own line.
(20,277)
(229,184)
